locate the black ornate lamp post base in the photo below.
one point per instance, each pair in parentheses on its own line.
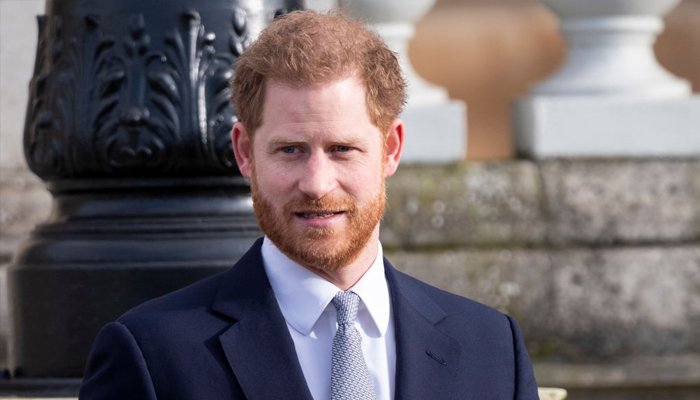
(39,387)
(128,122)
(109,246)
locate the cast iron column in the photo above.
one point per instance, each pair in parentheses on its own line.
(128,122)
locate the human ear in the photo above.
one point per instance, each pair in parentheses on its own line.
(393,147)
(242,149)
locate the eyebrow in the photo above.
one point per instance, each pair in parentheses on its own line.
(297,139)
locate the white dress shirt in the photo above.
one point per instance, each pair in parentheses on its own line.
(305,301)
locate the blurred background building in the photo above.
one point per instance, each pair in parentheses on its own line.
(598,257)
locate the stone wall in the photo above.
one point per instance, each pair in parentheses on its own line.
(24,203)
(598,260)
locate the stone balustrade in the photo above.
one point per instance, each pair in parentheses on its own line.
(610,50)
(611,97)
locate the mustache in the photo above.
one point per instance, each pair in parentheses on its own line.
(324,204)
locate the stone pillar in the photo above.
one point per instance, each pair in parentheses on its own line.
(435,125)
(128,123)
(321,5)
(23,200)
(611,97)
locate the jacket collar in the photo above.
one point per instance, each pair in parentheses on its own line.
(261,352)
(257,345)
(428,361)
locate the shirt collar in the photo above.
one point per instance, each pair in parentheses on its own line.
(303,296)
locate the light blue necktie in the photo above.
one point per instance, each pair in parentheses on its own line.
(350,378)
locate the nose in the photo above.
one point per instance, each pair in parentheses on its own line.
(318,177)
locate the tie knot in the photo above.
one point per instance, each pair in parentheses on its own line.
(346,305)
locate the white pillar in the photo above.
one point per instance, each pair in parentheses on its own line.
(321,5)
(611,97)
(22,205)
(435,125)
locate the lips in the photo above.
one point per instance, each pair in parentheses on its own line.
(320,211)
(317,214)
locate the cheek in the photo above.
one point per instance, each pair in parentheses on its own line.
(272,181)
(363,183)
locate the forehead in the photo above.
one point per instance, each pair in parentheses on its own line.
(336,108)
(299,102)
(347,90)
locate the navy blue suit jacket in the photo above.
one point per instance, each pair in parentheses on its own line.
(225,338)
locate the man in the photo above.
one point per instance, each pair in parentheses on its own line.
(313,310)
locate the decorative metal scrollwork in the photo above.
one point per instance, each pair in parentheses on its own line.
(102,105)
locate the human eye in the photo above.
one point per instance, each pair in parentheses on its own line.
(342,149)
(288,149)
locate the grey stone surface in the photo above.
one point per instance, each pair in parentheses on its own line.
(635,378)
(553,202)
(18,40)
(4,326)
(579,304)
(635,371)
(623,201)
(464,204)
(24,203)
(621,301)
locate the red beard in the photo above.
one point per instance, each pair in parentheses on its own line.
(327,249)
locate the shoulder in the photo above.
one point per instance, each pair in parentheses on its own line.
(448,310)
(194,296)
(155,345)
(491,339)
(447,301)
(194,303)
(184,313)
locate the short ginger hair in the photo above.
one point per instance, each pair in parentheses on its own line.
(307,48)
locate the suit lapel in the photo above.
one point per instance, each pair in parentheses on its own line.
(258,346)
(261,352)
(427,360)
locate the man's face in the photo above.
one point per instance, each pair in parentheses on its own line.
(317,166)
